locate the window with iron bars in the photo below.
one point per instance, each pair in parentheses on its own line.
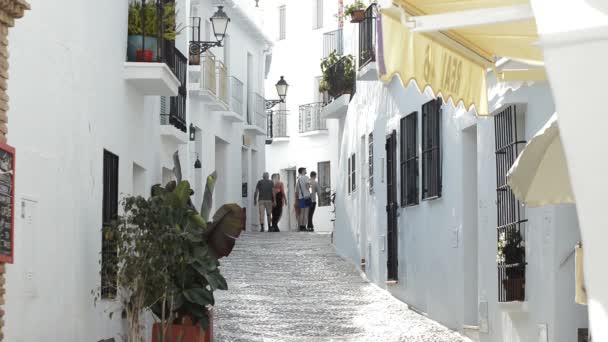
(109,212)
(511,252)
(352,179)
(431,149)
(370,156)
(409,160)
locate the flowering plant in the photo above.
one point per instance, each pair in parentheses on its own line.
(511,250)
(358,5)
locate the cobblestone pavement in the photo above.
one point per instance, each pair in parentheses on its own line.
(293,287)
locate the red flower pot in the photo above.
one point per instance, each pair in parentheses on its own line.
(187,332)
(145,55)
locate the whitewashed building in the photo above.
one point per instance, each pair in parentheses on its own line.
(305,32)
(424,205)
(91,124)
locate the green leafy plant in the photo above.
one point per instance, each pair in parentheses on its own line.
(167,260)
(511,251)
(148,12)
(334,78)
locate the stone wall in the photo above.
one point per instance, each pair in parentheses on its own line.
(9,11)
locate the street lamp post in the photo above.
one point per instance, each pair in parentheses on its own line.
(281,91)
(219,22)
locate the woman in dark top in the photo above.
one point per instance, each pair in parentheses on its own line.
(279,200)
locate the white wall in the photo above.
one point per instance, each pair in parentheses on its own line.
(438,239)
(69,102)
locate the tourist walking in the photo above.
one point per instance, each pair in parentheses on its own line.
(279,202)
(304,202)
(315,191)
(262,197)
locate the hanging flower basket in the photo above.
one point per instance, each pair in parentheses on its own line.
(357,16)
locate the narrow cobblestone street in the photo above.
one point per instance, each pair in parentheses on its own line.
(293,287)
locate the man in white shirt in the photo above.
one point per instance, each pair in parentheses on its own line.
(304,201)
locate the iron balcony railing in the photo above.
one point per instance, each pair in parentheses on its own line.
(310,117)
(222,82)
(175,113)
(208,73)
(256,112)
(367,36)
(341,82)
(146,42)
(333,41)
(236,95)
(277,124)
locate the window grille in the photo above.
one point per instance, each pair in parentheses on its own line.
(348,184)
(109,212)
(353,170)
(409,160)
(324,179)
(511,258)
(431,149)
(282,22)
(370,156)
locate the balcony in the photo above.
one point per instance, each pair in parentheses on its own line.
(367,45)
(341,86)
(333,41)
(152,59)
(209,82)
(235,101)
(277,126)
(256,115)
(311,122)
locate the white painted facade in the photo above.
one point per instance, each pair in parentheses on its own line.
(575,33)
(70,100)
(447,247)
(297,58)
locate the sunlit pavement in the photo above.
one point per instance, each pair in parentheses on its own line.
(293,287)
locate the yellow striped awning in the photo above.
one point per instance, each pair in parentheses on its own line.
(431,62)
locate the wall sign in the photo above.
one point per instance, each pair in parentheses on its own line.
(7,203)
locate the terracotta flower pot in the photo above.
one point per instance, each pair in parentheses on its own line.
(357,16)
(194,60)
(186,332)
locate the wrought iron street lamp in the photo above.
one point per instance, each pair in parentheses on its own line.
(281,90)
(219,22)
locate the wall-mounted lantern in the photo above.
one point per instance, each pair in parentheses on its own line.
(192,132)
(197,163)
(281,91)
(219,22)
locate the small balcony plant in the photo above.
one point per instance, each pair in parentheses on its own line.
(356,12)
(144,31)
(338,75)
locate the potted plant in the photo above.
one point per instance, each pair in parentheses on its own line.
(167,261)
(356,11)
(337,79)
(511,254)
(144,31)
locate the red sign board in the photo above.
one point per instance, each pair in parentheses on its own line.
(7,202)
